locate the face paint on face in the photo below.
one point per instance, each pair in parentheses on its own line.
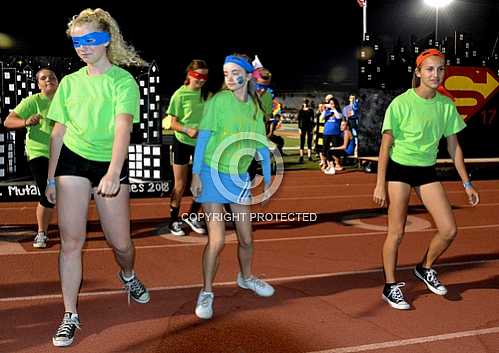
(235,76)
(91,39)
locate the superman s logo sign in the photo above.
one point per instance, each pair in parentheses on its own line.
(472,87)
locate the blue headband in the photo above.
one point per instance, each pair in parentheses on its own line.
(239,61)
(91,39)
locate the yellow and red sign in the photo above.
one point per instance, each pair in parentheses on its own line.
(471,87)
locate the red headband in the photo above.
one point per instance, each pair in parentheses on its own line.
(197,75)
(428,52)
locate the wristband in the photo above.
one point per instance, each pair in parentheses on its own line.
(25,122)
(185,130)
(467,184)
(51,183)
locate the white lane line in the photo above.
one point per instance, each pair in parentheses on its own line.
(202,242)
(218,284)
(407,342)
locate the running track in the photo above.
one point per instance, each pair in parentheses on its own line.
(327,276)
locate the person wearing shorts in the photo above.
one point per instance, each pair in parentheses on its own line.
(93,110)
(414,123)
(184,112)
(31,114)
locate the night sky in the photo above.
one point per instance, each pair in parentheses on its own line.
(299,43)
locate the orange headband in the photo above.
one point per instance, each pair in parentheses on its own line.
(428,52)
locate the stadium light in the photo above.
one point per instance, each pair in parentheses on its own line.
(437,4)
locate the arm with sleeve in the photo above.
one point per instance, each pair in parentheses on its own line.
(201,143)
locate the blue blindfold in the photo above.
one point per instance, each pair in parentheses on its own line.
(91,39)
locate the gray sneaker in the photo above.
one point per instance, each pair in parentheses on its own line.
(204,305)
(259,286)
(40,240)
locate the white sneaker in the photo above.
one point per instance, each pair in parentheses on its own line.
(204,306)
(40,240)
(259,286)
(330,171)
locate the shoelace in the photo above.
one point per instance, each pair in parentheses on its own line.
(257,282)
(134,285)
(204,299)
(396,293)
(431,276)
(66,327)
(40,237)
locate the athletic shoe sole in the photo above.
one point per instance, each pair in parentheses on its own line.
(39,246)
(62,343)
(429,286)
(178,233)
(194,228)
(203,316)
(405,306)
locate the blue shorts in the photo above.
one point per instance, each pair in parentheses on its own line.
(218,187)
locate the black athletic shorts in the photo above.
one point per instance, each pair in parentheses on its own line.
(71,163)
(412,175)
(39,167)
(182,152)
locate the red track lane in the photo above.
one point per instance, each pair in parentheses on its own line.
(326,273)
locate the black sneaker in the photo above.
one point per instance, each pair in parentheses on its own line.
(394,297)
(66,331)
(175,228)
(300,160)
(195,224)
(135,289)
(429,277)
(310,158)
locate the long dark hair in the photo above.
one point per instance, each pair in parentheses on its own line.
(195,65)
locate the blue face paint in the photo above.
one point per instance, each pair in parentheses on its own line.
(240,80)
(91,39)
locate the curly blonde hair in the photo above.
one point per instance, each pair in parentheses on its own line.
(118,52)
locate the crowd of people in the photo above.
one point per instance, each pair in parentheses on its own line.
(79,132)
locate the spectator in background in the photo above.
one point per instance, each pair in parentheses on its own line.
(346,149)
(331,134)
(272,125)
(352,113)
(31,113)
(306,128)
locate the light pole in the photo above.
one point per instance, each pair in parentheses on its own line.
(437,4)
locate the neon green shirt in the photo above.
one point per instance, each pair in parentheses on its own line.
(226,116)
(418,124)
(88,106)
(266,99)
(38,136)
(187,106)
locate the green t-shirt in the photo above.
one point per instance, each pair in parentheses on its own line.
(266,99)
(225,116)
(418,124)
(38,136)
(88,106)
(187,106)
